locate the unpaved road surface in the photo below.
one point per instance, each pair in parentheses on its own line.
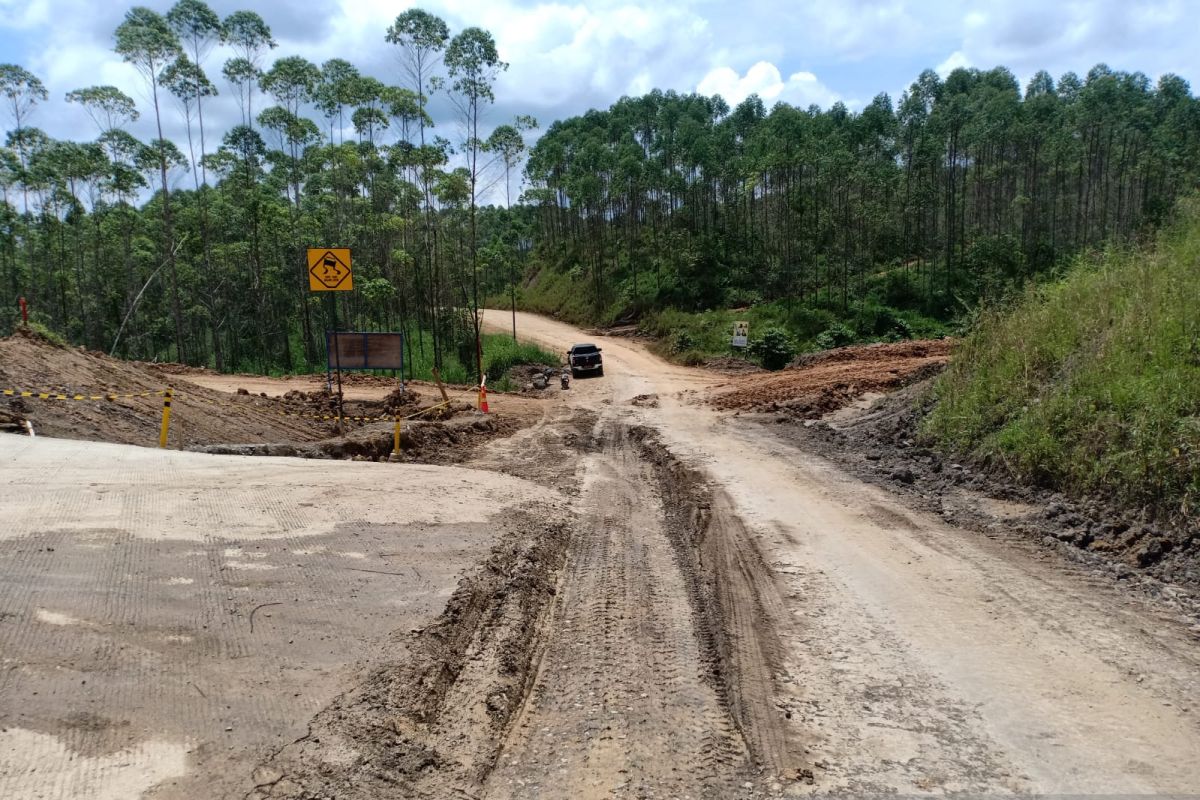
(167,619)
(634,596)
(918,656)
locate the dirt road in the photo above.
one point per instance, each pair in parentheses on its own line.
(634,596)
(918,656)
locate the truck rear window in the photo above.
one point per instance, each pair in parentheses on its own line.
(584,349)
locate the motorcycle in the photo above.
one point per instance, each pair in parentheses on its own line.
(566,380)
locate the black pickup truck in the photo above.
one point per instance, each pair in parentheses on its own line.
(585,358)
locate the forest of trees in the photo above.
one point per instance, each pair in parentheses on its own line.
(141,249)
(965,187)
(195,251)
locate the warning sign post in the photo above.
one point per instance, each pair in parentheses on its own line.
(329,270)
(741,334)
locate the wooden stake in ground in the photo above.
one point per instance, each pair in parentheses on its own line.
(437,376)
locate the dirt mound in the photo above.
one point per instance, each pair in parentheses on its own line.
(534,378)
(199,416)
(818,383)
(733,366)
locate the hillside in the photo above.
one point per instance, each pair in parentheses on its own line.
(1091,383)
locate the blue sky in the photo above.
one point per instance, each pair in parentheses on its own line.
(567,57)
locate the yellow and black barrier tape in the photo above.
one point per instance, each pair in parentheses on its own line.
(190,397)
(65,396)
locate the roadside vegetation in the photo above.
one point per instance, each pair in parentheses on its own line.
(500,354)
(1092,382)
(694,337)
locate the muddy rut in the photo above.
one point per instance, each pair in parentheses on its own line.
(629,651)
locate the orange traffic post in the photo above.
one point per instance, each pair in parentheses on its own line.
(483,406)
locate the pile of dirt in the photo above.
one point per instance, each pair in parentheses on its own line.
(818,383)
(451,441)
(29,362)
(883,445)
(534,378)
(200,417)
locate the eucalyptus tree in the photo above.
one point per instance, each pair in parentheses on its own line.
(293,81)
(249,37)
(199,29)
(188,83)
(474,64)
(508,145)
(337,90)
(21,90)
(146,41)
(107,106)
(422,39)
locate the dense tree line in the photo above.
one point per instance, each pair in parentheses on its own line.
(196,251)
(967,186)
(142,249)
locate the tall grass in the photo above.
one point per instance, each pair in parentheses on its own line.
(1091,383)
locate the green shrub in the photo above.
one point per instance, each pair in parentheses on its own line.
(501,353)
(682,341)
(774,349)
(836,335)
(46,333)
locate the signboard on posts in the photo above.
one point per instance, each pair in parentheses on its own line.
(741,334)
(329,270)
(359,350)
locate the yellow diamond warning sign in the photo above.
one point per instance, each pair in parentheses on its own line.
(329,270)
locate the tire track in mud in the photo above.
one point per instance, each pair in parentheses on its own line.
(658,667)
(634,655)
(622,703)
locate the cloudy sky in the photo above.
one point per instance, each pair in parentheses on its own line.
(567,57)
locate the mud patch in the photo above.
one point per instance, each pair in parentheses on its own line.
(422,442)
(739,606)
(430,725)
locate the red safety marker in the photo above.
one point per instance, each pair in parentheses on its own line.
(24,311)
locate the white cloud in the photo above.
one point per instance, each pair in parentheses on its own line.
(570,55)
(954,61)
(765,80)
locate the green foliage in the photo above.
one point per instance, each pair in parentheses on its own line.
(46,333)
(894,220)
(1092,382)
(774,349)
(501,354)
(836,335)
(666,209)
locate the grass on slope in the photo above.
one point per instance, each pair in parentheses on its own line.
(1091,383)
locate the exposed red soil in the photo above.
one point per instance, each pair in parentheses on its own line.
(818,383)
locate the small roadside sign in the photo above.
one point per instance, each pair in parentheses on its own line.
(329,270)
(741,334)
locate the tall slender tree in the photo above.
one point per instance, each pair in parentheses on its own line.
(474,64)
(146,42)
